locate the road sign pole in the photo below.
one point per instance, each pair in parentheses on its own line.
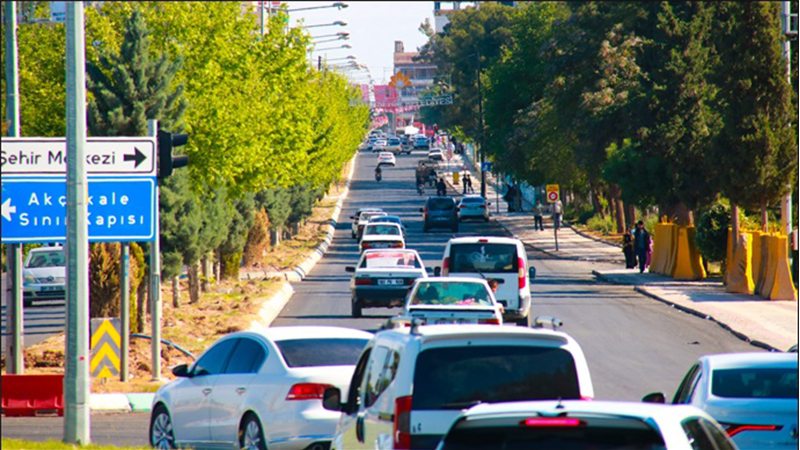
(76,380)
(155,280)
(125,310)
(14,323)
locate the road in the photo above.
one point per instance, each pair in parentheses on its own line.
(634,345)
(41,321)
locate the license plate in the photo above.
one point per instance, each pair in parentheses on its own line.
(390,282)
(52,288)
(444,321)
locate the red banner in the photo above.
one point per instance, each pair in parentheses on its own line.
(385,97)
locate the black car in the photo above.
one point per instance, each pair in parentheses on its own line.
(440,212)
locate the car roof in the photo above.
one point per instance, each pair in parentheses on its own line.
(750,360)
(46,249)
(485,239)
(385,224)
(392,250)
(434,197)
(452,279)
(640,410)
(368,209)
(431,333)
(281,333)
(392,217)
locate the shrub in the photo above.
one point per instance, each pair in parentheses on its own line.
(602,225)
(712,232)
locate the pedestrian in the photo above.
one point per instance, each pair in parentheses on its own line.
(558,210)
(511,196)
(461,147)
(537,216)
(641,243)
(628,250)
(468,184)
(441,188)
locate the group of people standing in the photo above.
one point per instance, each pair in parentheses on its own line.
(637,247)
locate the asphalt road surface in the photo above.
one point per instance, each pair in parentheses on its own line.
(634,345)
(46,318)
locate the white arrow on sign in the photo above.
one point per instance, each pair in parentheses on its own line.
(7,209)
(135,156)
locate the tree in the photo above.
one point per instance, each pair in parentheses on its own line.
(231,249)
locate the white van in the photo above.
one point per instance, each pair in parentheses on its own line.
(500,258)
(411,383)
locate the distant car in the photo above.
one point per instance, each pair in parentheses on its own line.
(439,212)
(379,145)
(355,218)
(44,275)
(383,277)
(581,425)
(393,145)
(386,159)
(258,390)
(436,155)
(752,395)
(447,300)
(364,219)
(388,219)
(473,207)
(382,235)
(422,143)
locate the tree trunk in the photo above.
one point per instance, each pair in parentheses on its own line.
(683,215)
(194,283)
(764,217)
(596,204)
(735,228)
(274,236)
(176,291)
(141,300)
(206,273)
(218,265)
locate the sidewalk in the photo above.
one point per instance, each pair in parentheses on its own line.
(771,325)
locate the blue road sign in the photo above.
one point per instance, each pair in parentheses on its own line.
(120,209)
(486,167)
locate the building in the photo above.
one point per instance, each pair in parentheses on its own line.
(417,77)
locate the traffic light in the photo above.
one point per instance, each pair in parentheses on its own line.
(166,161)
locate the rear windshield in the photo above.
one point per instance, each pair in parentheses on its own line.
(591,434)
(394,142)
(321,352)
(438,204)
(472,200)
(484,257)
(382,229)
(755,383)
(390,259)
(451,293)
(459,377)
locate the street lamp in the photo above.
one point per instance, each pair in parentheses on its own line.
(341,38)
(350,57)
(341,33)
(331,48)
(337,5)
(333,24)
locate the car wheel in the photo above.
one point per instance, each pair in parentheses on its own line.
(356,308)
(161,434)
(250,435)
(524,322)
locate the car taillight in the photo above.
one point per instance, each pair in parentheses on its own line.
(521,277)
(402,423)
(365,245)
(586,397)
(446,266)
(397,245)
(551,422)
(482,206)
(460,207)
(492,321)
(733,429)
(307,391)
(363,281)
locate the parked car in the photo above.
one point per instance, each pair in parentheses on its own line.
(579,425)
(44,273)
(422,143)
(447,300)
(436,155)
(355,218)
(364,219)
(383,277)
(752,395)
(389,219)
(382,235)
(386,158)
(411,383)
(473,207)
(500,258)
(258,389)
(440,212)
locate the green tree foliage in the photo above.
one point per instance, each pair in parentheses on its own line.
(231,249)
(712,232)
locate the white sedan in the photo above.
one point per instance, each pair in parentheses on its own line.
(387,158)
(258,390)
(452,300)
(382,278)
(382,235)
(379,145)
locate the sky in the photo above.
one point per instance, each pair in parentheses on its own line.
(373,28)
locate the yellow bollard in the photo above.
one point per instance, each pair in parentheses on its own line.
(755,259)
(770,265)
(455,177)
(672,256)
(688,262)
(740,272)
(763,257)
(783,288)
(661,248)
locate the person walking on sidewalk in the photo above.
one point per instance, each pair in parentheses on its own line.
(558,210)
(537,216)
(641,242)
(468,184)
(627,249)
(441,188)
(511,197)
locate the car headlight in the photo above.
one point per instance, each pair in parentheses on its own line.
(28,279)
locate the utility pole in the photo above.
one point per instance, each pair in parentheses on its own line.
(789,32)
(14,318)
(155,281)
(480,128)
(125,310)
(76,379)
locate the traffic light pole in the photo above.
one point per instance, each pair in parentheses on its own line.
(480,129)
(14,304)
(76,377)
(155,280)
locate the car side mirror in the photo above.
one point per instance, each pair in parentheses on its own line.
(654,397)
(181,370)
(532,272)
(331,399)
(350,269)
(437,271)
(353,217)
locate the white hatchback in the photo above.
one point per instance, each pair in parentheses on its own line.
(448,300)
(386,158)
(382,235)
(258,390)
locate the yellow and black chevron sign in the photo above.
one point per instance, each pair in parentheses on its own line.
(105,347)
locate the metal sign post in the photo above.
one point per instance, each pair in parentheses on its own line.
(155,281)
(125,309)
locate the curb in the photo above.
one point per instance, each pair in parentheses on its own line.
(121,403)
(273,306)
(589,236)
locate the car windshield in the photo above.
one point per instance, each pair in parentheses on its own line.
(582,433)
(440,204)
(382,229)
(391,259)
(484,258)
(321,351)
(460,377)
(368,216)
(755,383)
(53,258)
(385,219)
(394,141)
(451,293)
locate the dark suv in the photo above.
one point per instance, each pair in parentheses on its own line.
(440,212)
